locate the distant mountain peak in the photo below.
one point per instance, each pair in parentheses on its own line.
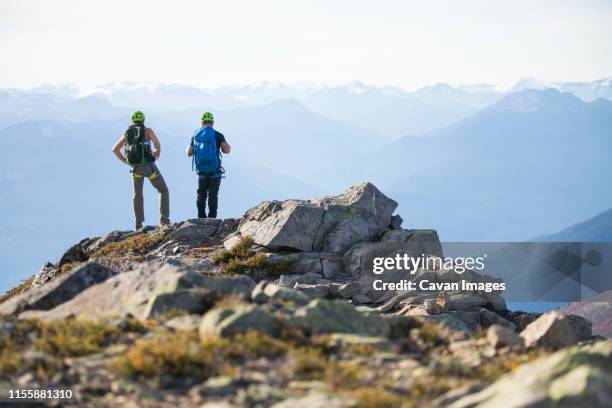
(356,87)
(529,83)
(532,100)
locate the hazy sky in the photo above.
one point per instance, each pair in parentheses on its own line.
(212,43)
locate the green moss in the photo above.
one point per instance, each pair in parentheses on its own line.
(242,259)
(308,364)
(376,397)
(242,250)
(135,246)
(174,312)
(431,334)
(16,290)
(56,339)
(184,354)
(178,354)
(343,375)
(74,338)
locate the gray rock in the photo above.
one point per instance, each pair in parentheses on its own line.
(333,289)
(336,316)
(331,267)
(449,321)
(7,328)
(278,225)
(257,294)
(348,290)
(288,280)
(239,318)
(278,292)
(305,262)
(316,291)
(59,290)
(361,298)
(524,320)
(432,307)
(45,274)
(184,323)
(218,387)
(113,236)
(231,240)
(309,278)
(316,399)
(555,330)
(572,377)
(226,227)
(470,318)
(195,301)
(75,253)
(362,201)
(500,336)
(358,261)
(488,318)
(335,222)
(396,222)
(349,232)
(196,229)
(135,292)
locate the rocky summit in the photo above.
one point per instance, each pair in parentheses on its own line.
(279,309)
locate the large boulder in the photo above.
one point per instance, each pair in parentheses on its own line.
(330,224)
(59,290)
(598,310)
(279,225)
(573,377)
(109,238)
(555,330)
(238,318)
(75,253)
(317,399)
(358,261)
(195,229)
(145,292)
(336,316)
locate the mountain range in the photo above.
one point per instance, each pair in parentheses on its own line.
(535,161)
(595,229)
(522,164)
(390,111)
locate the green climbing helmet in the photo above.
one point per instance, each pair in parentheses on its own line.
(207,117)
(138,116)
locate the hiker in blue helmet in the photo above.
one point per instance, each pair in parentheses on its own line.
(206,147)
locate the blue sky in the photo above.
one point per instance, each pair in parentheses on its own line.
(213,43)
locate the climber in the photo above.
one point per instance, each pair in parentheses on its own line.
(136,142)
(206,147)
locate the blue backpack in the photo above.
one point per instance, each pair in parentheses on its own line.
(206,160)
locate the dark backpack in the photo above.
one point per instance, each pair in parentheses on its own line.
(206,160)
(137,151)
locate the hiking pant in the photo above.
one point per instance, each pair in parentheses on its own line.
(208,186)
(151,172)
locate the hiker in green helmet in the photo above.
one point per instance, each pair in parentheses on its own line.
(136,143)
(206,147)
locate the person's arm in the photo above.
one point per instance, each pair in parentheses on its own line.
(223,145)
(150,134)
(190,150)
(117,149)
(225,148)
